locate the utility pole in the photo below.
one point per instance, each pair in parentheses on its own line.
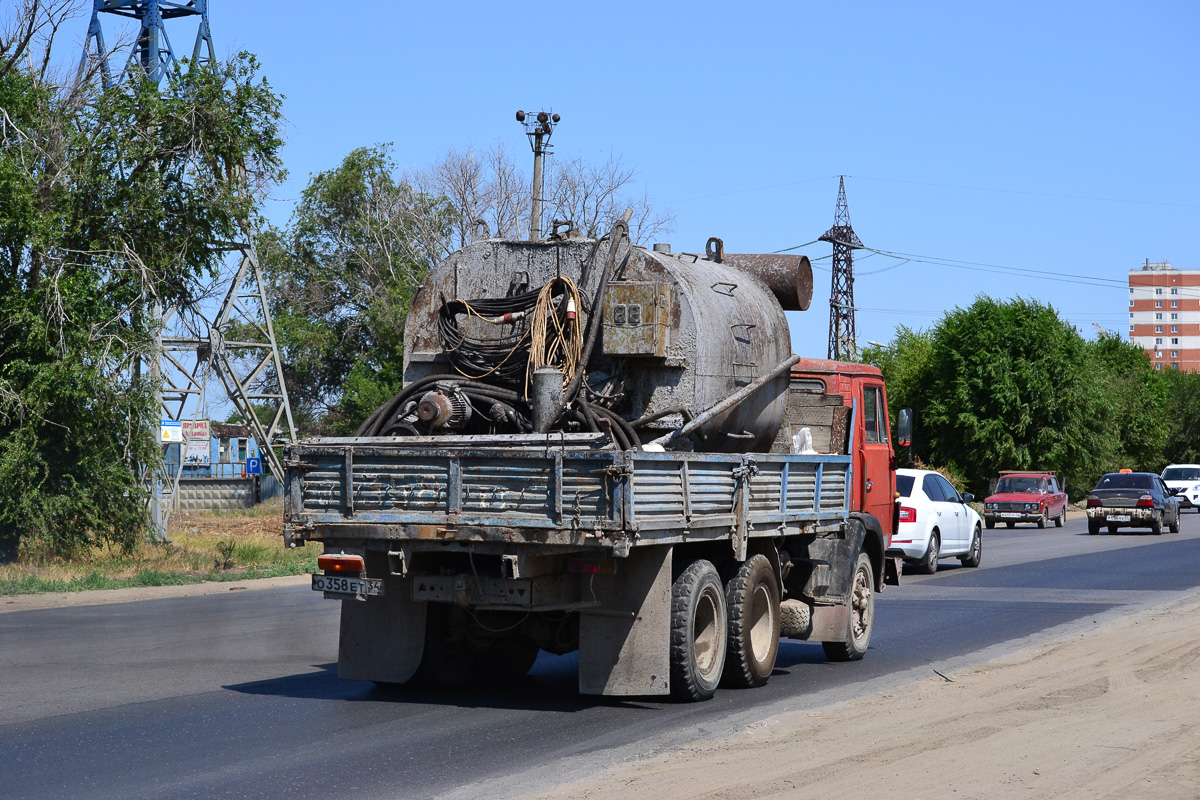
(842,340)
(539,129)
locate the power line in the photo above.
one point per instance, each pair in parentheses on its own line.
(1029,193)
(754,189)
(1001,269)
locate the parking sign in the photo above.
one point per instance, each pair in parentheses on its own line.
(254,466)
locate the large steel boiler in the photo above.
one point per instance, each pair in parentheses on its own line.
(574,334)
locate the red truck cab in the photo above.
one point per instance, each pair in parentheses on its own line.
(1026,496)
(873,485)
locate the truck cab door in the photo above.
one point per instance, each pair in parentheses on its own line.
(874,459)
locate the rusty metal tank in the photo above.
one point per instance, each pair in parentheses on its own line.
(679,332)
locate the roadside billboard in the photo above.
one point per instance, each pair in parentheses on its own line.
(198,435)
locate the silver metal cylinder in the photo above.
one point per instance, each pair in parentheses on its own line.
(546,397)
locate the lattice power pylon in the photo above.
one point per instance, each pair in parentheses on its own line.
(236,343)
(151,52)
(842,340)
(238,346)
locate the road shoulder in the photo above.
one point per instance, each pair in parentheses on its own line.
(95,597)
(1111,712)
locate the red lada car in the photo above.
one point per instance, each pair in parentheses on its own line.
(1026,497)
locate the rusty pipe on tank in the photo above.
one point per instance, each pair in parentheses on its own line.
(789,277)
(726,404)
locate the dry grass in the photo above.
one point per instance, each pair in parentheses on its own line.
(208,546)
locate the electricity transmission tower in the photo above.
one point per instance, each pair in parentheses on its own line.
(842,340)
(237,344)
(151,52)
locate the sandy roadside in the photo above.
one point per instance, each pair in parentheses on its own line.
(1110,713)
(30,602)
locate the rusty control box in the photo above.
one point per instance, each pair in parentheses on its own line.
(637,319)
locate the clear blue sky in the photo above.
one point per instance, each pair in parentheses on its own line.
(1054,137)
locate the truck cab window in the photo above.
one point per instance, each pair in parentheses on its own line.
(871,413)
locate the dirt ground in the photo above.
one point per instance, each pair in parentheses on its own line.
(1110,713)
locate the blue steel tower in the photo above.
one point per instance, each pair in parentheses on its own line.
(238,345)
(152,53)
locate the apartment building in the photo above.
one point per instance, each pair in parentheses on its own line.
(1164,314)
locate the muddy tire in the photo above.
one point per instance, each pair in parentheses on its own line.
(975,555)
(699,624)
(862,615)
(929,562)
(752,597)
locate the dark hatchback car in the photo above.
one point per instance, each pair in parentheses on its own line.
(1132,500)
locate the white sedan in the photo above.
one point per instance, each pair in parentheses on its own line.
(1185,478)
(935,522)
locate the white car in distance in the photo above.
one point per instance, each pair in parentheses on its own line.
(1187,478)
(935,522)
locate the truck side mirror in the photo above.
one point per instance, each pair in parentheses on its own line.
(904,427)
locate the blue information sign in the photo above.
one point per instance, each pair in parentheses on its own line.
(254,466)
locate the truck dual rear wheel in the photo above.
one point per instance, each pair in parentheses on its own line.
(861,617)
(698,632)
(752,596)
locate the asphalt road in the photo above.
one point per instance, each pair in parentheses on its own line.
(236,695)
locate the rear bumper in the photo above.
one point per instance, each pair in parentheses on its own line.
(995,517)
(1138,517)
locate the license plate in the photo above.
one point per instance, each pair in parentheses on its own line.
(1009,514)
(1119,518)
(343,585)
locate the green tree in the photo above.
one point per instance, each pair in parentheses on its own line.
(108,202)
(1010,385)
(1136,397)
(1183,418)
(359,244)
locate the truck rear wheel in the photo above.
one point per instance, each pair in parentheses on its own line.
(752,597)
(861,618)
(698,632)
(449,656)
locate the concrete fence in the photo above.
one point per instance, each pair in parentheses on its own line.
(208,494)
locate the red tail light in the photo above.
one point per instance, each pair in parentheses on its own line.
(1145,501)
(339,562)
(1093,502)
(908,514)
